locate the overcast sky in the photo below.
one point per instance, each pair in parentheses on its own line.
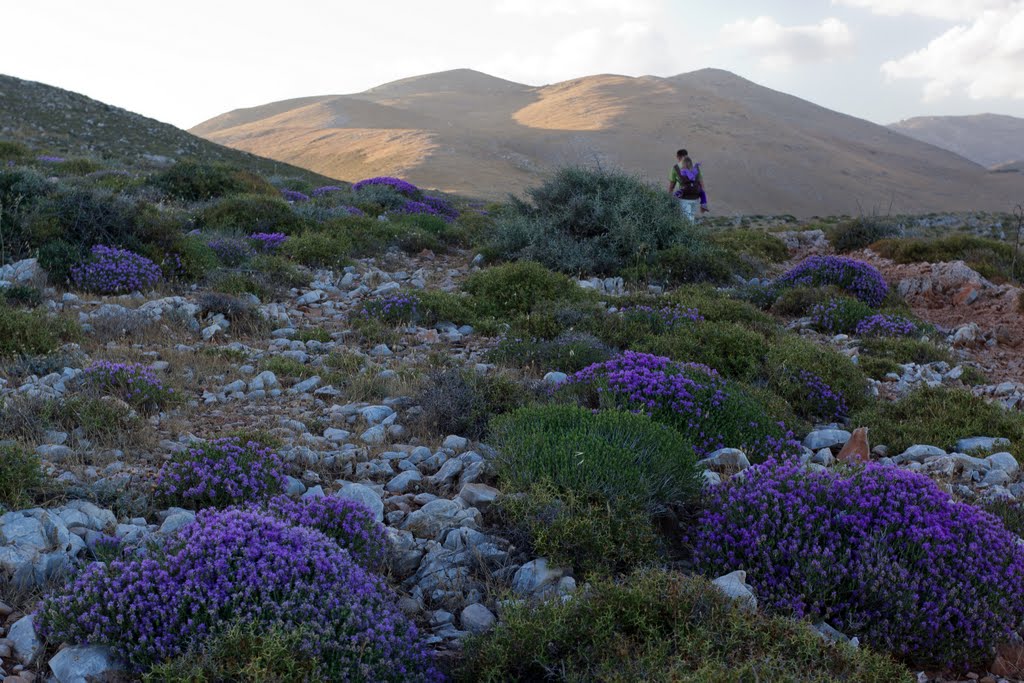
(184,61)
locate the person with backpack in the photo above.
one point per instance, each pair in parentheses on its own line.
(690,193)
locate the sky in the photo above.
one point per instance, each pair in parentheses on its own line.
(186,61)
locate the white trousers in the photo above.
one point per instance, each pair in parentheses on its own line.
(690,208)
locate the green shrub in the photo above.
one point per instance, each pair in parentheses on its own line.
(376,199)
(460,402)
(58,257)
(798,302)
(240,283)
(861,232)
(751,250)
(694,262)
(278,273)
(588,220)
(588,534)
(79,166)
(85,217)
(735,351)
(903,350)
(13,151)
(22,296)
(791,356)
(319,249)
(568,352)
(318,334)
(939,417)
(197,181)
(840,315)
(251,213)
(1010,512)
(517,288)
(21,477)
(32,333)
(193,260)
(438,306)
(659,626)
(288,367)
(20,191)
(991,258)
(716,306)
(624,458)
(105,421)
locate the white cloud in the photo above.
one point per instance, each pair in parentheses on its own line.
(984,59)
(952,10)
(549,8)
(780,46)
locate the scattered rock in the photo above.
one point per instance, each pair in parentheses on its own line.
(735,586)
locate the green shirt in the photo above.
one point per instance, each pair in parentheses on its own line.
(674,177)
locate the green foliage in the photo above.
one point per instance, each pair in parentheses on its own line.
(755,248)
(861,232)
(251,213)
(735,351)
(660,626)
(376,199)
(276,272)
(32,333)
(568,352)
(20,191)
(106,421)
(195,260)
(85,217)
(313,334)
(79,166)
(21,477)
(438,306)
(587,534)
(797,302)
(616,456)
(288,367)
(791,354)
(57,257)
(240,283)
(197,181)
(693,262)
(22,296)
(244,651)
(840,315)
(517,288)
(940,417)
(717,306)
(460,402)
(991,258)
(903,350)
(319,249)
(13,151)
(588,220)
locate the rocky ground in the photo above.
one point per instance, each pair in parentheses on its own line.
(363,441)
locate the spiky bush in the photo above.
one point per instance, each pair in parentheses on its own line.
(517,288)
(880,553)
(861,232)
(195,181)
(21,477)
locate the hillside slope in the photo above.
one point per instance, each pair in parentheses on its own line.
(763,151)
(988,139)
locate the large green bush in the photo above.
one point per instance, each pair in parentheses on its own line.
(588,220)
(462,402)
(32,333)
(517,288)
(791,357)
(251,213)
(197,181)
(319,249)
(20,191)
(658,626)
(617,456)
(861,232)
(735,351)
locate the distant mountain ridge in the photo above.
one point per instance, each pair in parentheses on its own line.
(991,140)
(763,151)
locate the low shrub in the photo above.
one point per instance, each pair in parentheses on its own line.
(22,296)
(396,309)
(886,325)
(591,535)
(796,302)
(756,244)
(349,523)
(841,315)
(110,270)
(219,473)
(856,278)
(716,306)
(626,459)
(58,257)
(903,350)
(32,333)
(21,190)
(991,258)
(861,232)
(288,367)
(398,185)
(319,249)
(459,402)
(735,351)
(190,258)
(239,312)
(251,213)
(939,417)
(79,166)
(135,384)
(238,565)
(437,306)
(231,251)
(819,546)
(692,398)
(568,352)
(105,421)
(517,288)
(195,181)
(795,364)
(267,242)
(13,151)
(21,477)
(660,626)
(692,263)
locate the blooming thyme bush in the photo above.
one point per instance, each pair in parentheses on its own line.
(568,352)
(221,472)
(348,522)
(231,251)
(326,189)
(396,184)
(398,308)
(693,398)
(134,383)
(294,196)
(115,271)
(880,553)
(816,399)
(441,207)
(241,565)
(839,316)
(660,320)
(883,325)
(267,241)
(855,277)
(790,355)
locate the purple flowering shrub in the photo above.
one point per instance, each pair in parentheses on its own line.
(659,320)
(294,196)
(441,207)
(326,189)
(396,184)
(220,473)
(693,398)
(816,399)
(267,241)
(884,325)
(857,278)
(134,383)
(416,208)
(110,270)
(240,565)
(395,309)
(879,553)
(231,251)
(348,522)
(840,315)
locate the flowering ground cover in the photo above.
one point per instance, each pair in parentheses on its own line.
(221,472)
(855,277)
(110,270)
(135,384)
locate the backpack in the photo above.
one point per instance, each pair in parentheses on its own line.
(689,186)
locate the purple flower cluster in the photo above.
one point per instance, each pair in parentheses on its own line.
(267,241)
(661,319)
(353,210)
(349,523)
(135,384)
(47,159)
(110,270)
(391,309)
(241,565)
(294,196)
(858,278)
(840,315)
(883,325)
(415,208)
(396,184)
(326,189)
(691,397)
(822,400)
(882,554)
(442,207)
(231,251)
(221,472)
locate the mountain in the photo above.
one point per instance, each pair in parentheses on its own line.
(762,151)
(988,139)
(55,121)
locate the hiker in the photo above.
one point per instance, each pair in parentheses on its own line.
(691,186)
